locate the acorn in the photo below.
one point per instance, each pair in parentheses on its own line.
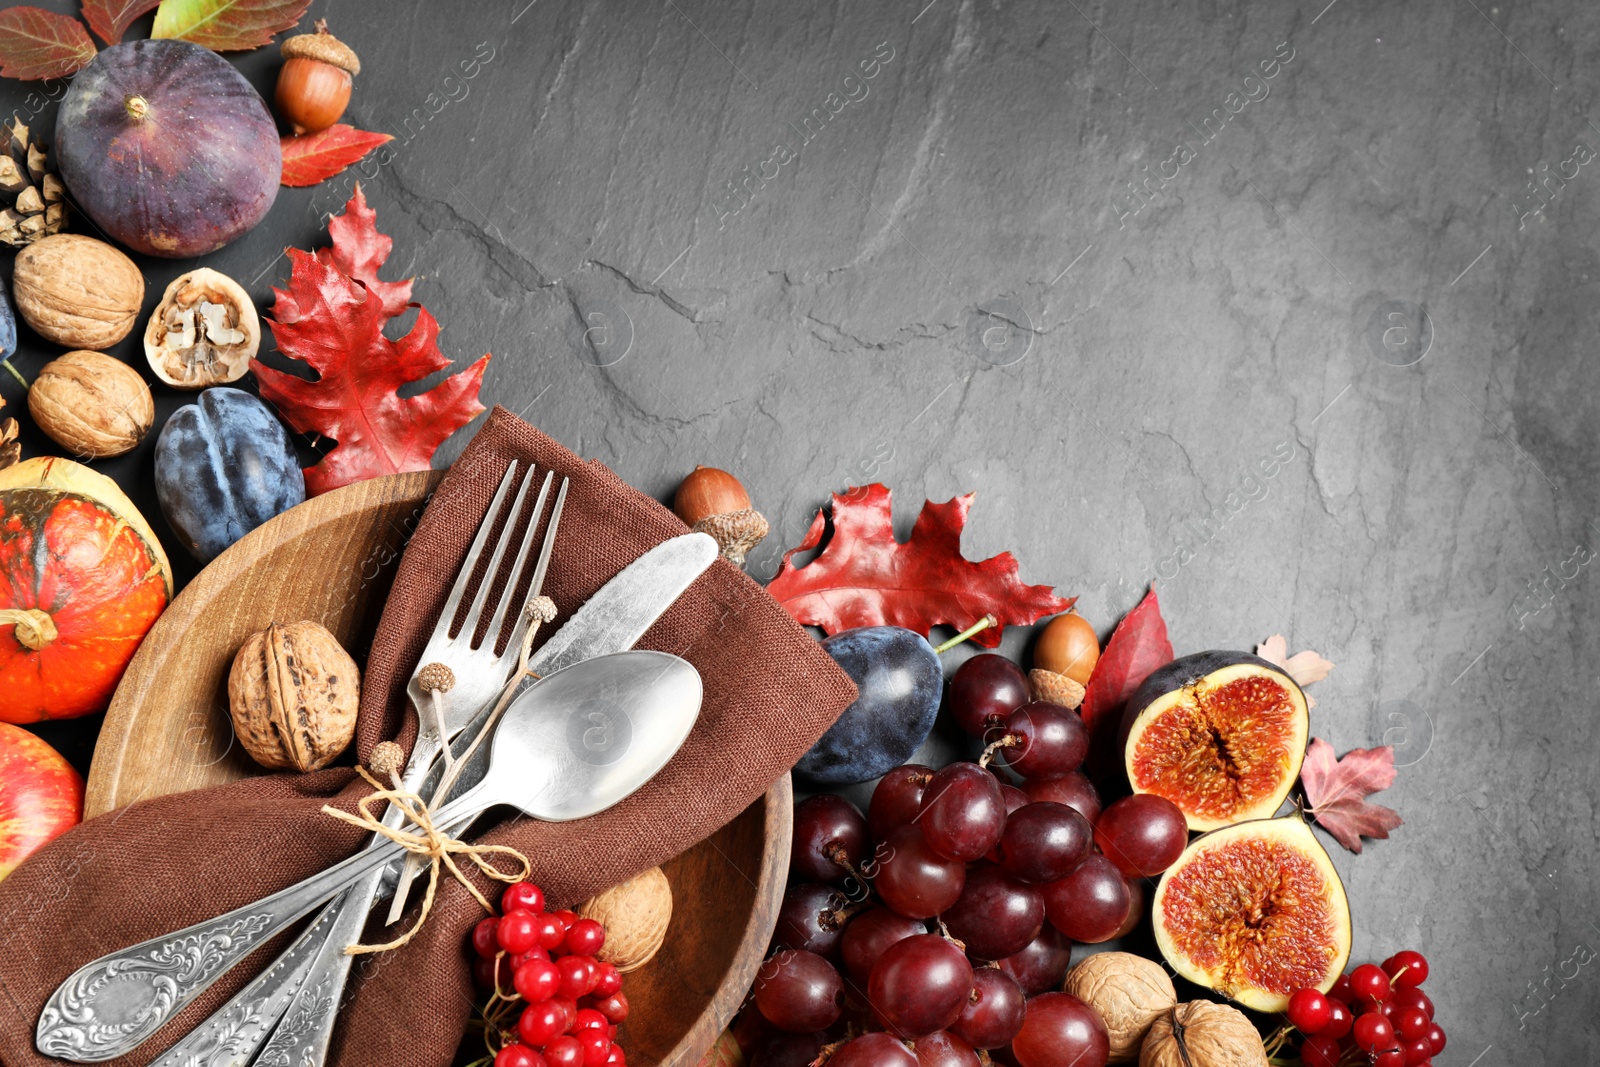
(712,501)
(1063,658)
(314,84)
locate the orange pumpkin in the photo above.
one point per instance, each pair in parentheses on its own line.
(82,579)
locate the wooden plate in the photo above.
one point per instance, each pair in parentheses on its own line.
(332,559)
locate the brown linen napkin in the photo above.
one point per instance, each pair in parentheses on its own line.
(163,864)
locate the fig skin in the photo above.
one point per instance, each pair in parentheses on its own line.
(197,170)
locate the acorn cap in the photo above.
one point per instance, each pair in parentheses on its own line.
(324,46)
(1055,688)
(736,532)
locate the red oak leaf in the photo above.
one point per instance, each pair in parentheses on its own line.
(864,577)
(36,44)
(1337,791)
(358,251)
(1137,647)
(335,325)
(315,157)
(111,18)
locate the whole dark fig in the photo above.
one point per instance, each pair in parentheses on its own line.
(224,466)
(168,148)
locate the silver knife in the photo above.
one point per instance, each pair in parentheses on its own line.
(615,617)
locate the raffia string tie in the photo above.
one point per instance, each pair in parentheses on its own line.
(428,842)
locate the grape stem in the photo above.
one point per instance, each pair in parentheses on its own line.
(1008,741)
(978,627)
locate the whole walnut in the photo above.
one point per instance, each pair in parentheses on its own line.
(91,404)
(1202,1033)
(1128,992)
(293,694)
(635,915)
(77,291)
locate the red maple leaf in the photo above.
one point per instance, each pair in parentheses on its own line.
(1337,791)
(358,250)
(334,324)
(864,577)
(315,157)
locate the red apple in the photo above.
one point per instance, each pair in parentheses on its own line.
(41,796)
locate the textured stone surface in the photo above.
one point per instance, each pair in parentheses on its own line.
(948,288)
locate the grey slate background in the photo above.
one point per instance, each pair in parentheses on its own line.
(949,289)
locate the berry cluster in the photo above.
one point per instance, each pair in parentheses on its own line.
(541,970)
(1377,1015)
(1012,874)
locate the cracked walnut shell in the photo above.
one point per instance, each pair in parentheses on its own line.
(77,291)
(293,694)
(1127,992)
(635,915)
(204,332)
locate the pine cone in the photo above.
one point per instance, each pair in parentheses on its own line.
(38,199)
(10,447)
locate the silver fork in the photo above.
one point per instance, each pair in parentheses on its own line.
(77,1025)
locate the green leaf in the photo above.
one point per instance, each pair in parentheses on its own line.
(227,25)
(36,44)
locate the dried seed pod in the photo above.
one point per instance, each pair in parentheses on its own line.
(204,332)
(1127,992)
(293,694)
(712,501)
(38,206)
(91,404)
(1202,1033)
(77,291)
(636,915)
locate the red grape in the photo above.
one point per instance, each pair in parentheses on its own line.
(996,915)
(1411,1023)
(1014,798)
(1043,841)
(873,1050)
(1090,903)
(484,942)
(913,879)
(589,1019)
(1341,990)
(897,799)
(596,1047)
(585,937)
(963,813)
(1339,1020)
(944,1049)
(608,980)
(1436,1038)
(1060,1030)
(1389,1057)
(1143,834)
(789,1050)
(613,1007)
(984,690)
(1406,969)
(1073,790)
(919,985)
(1368,984)
(869,934)
(563,1051)
(808,919)
(1319,1052)
(1309,1011)
(1043,964)
(577,977)
(827,828)
(993,1013)
(1373,1032)
(799,991)
(537,980)
(541,1022)
(1135,908)
(1047,740)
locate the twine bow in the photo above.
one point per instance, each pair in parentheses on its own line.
(429,842)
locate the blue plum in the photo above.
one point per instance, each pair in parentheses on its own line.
(8,326)
(224,466)
(900,681)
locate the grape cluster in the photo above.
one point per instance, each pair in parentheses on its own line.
(941,922)
(551,1003)
(1375,1014)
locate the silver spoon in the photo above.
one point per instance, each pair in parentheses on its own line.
(575,744)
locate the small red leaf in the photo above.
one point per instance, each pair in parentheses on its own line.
(1137,647)
(316,157)
(36,44)
(111,18)
(864,577)
(358,250)
(1337,790)
(334,324)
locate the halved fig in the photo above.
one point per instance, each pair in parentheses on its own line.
(1220,734)
(204,332)
(1254,911)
